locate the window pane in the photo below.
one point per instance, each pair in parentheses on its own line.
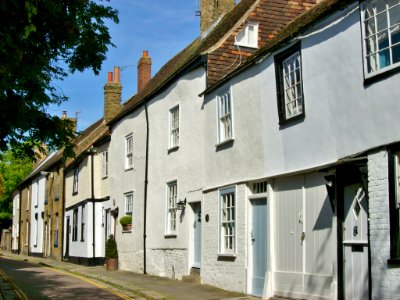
(381,21)
(384,58)
(395,34)
(396,54)
(370,27)
(380,6)
(394,15)
(383,40)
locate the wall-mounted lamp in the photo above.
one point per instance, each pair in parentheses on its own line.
(180,205)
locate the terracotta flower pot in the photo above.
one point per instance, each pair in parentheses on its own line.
(111,264)
(127,227)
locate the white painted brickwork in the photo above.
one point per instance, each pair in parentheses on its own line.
(385,280)
(131,261)
(225,273)
(167,262)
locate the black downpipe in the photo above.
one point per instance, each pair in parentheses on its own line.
(92,196)
(19,221)
(145,188)
(62,181)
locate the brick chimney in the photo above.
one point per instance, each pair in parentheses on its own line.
(211,10)
(144,70)
(74,121)
(112,95)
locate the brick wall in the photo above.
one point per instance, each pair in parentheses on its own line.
(385,279)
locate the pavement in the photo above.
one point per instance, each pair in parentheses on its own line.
(137,286)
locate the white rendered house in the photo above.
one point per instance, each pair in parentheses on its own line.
(312,160)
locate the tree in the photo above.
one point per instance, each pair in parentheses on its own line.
(12,172)
(40,41)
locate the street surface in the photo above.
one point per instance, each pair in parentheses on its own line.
(39,282)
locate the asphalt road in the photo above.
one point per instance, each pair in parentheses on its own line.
(39,282)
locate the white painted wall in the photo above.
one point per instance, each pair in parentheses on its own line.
(15,221)
(38,190)
(84,183)
(342,117)
(166,256)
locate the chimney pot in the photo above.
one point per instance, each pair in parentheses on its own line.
(110,77)
(116,74)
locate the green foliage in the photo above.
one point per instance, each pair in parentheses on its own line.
(111,248)
(126,220)
(12,172)
(41,41)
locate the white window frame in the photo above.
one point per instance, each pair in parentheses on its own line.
(227,221)
(225,115)
(75,183)
(371,49)
(83,213)
(104,164)
(245,38)
(28,198)
(128,203)
(172,198)
(129,152)
(174,126)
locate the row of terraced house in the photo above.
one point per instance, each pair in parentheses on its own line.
(264,157)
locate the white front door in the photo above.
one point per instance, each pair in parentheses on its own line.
(197,235)
(355,242)
(258,238)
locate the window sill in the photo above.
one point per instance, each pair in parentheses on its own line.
(74,193)
(170,235)
(226,257)
(394,262)
(128,169)
(246,45)
(173,149)
(104,177)
(225,142)
(292,120)
(127,231)
(381,74)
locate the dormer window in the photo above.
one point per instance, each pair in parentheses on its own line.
(248,36)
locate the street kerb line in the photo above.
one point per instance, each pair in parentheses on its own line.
(17,290)
(93,282)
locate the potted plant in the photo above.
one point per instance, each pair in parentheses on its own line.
(111,254)
(126,222)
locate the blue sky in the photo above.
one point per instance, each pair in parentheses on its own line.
(163,27)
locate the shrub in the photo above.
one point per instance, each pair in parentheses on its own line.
(111,247)
(126,220)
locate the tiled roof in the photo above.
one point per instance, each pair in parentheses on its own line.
(286,35)
(87,138)
(191,53)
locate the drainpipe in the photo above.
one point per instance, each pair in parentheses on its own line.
(92,151)
(19,222)
(145,187)
(62,182)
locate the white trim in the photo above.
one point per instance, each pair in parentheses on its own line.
(246,36)
(126,158)
(169,232)
(172,146)
(227,252)
(226,91)
(391,65)
(126,212)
